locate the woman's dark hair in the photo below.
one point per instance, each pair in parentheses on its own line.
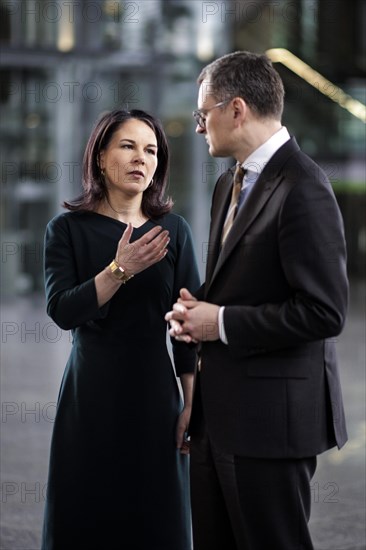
(154,203)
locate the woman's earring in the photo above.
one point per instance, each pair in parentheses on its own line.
(151,183)
(102,172)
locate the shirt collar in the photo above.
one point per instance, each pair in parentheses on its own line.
(259,158)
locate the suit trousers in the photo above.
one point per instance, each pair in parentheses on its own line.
(241,503)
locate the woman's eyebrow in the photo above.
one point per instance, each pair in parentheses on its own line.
(132,141)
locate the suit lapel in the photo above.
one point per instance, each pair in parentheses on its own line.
(220,205)
(264,187)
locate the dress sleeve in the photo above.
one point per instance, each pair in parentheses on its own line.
(70,302)
(187,276)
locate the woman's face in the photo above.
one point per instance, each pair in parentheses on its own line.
(130,158)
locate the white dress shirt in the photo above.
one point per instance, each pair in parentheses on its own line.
(254,165)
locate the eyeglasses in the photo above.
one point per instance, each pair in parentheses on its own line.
(200,114)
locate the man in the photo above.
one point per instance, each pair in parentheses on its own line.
(267,394)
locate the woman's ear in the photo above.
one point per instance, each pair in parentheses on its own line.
(100,160)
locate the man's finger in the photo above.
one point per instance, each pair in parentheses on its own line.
(188,304)
(186,295)
(179,308)
(169,316)
(175,326)
(183,337)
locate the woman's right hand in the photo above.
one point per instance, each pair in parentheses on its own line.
(146,251)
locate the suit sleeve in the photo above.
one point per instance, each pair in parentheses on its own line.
(312,254)
(200,293)
(70,302)
(186,275)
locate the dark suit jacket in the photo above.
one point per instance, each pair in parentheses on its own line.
(274,390)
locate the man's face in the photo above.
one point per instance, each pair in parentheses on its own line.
(216,120)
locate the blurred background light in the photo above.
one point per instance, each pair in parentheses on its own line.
(318,81)
(32,120)
(66,38)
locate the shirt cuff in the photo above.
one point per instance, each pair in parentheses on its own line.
(222,332)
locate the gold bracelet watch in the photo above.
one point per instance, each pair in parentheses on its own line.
(119,273)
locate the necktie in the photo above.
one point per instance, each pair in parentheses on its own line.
(233,207)
(249,181)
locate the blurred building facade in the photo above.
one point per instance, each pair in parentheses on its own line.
(64,62)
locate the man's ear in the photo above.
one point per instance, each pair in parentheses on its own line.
(240,109)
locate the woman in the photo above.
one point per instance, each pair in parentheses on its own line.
(114,265)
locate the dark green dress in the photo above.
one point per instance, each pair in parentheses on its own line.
(116,479)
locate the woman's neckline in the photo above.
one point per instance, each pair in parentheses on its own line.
(119,221)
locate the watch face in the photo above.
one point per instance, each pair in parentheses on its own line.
(122,276)
(120,272)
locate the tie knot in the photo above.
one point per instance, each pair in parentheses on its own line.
(239,175)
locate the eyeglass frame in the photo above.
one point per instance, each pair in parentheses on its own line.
(200,119)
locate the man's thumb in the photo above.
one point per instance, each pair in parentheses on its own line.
(186,295)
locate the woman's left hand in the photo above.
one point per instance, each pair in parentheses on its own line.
(182,427)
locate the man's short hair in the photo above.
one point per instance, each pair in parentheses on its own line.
(249,76)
